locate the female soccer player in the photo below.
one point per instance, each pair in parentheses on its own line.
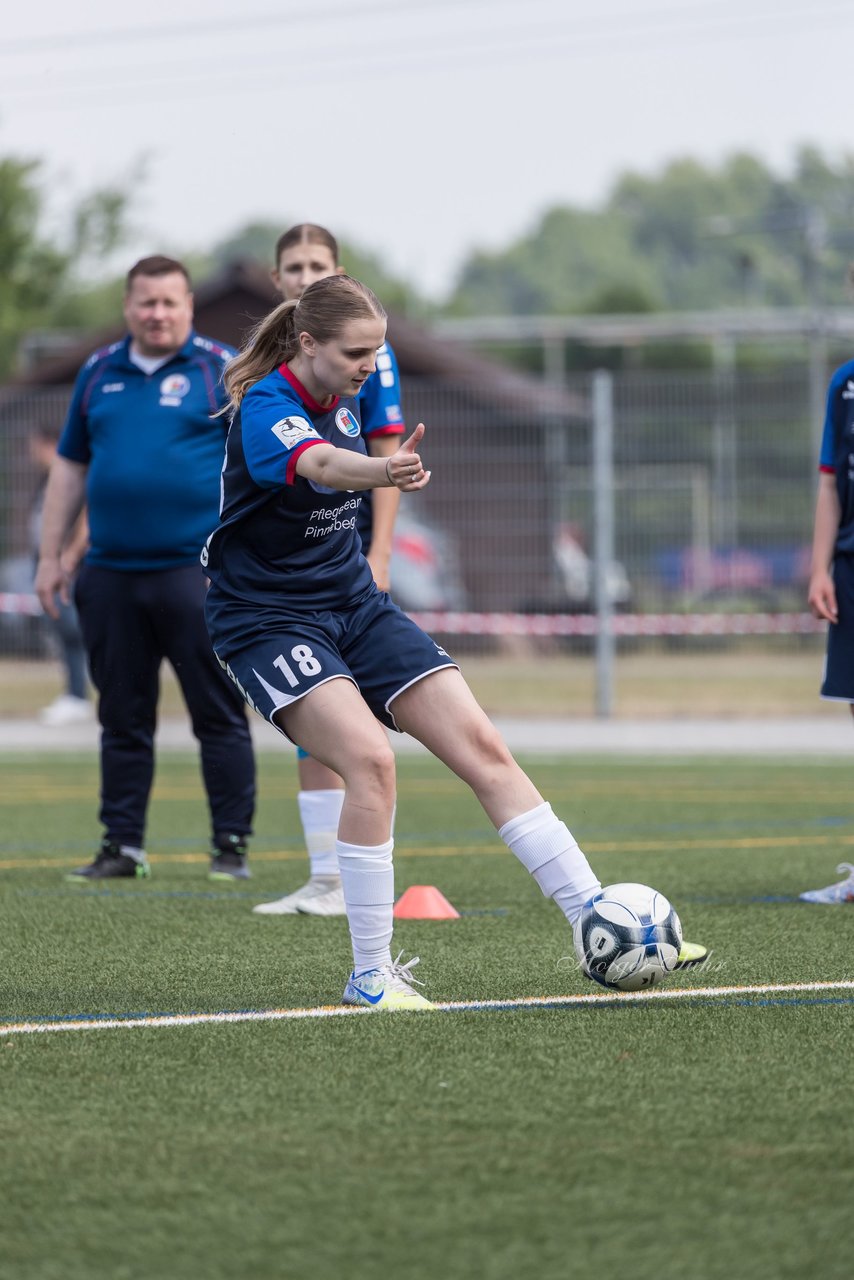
(316,648)
(305,253)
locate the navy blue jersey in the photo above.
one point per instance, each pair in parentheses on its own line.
(381,414)
(837,450)
(153,448)
(283,538)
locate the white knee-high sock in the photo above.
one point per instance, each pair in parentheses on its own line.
(546,848)
(320,813)
(367,878)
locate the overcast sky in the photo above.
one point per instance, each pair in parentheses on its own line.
(418,128)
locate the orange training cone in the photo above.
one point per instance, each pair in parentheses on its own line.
(424,902)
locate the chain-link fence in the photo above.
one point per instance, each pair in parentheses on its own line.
(23,413)
(712,489)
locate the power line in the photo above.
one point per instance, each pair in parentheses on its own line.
(396,47)
(250,22)
(254,22)
(408,58)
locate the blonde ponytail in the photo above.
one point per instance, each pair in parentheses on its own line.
(323,310)
(270,344)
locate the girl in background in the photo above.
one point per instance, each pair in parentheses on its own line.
(304,254)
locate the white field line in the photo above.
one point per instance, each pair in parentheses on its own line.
(453,1006)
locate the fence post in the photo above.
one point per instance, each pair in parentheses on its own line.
(817,387)
(603,537)
(725,446)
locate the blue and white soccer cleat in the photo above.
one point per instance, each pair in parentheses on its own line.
(387,989)
(842,891)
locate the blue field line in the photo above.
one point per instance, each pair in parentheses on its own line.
(226,895)
(720,900)
(143,893)
(483,911)
(804,993)
(418,839)
(719,827)
(89,892)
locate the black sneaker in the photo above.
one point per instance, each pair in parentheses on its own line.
(109,863)
(228,859)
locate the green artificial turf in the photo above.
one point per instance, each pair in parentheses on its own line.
(701,1138)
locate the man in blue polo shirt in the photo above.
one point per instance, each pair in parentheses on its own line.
(143,448)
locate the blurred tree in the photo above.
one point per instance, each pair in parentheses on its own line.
(569,257)
(40,278)
(692,236)
(254,240)
(257,240)
(86,306)
(621,299)
(29,267)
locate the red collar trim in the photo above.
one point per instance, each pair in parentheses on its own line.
(307,399)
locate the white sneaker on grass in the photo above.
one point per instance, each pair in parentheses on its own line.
(66,709)
(315,890)
(328,903)
(842,891)
(387,989)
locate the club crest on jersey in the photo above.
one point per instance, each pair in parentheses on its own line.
(175,386)
(346,423)
(293,431)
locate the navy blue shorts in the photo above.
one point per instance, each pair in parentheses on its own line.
(838,683)
(281,656)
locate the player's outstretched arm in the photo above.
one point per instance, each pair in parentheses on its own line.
(341,469)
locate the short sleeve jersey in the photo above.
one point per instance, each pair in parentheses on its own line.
(382,415)
(837,450)
(153,449)
(282,536)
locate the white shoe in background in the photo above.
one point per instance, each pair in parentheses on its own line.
(66,709)
(843,891)
(330,903)
(325,891)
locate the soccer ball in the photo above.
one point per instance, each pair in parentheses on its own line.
(627,937)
